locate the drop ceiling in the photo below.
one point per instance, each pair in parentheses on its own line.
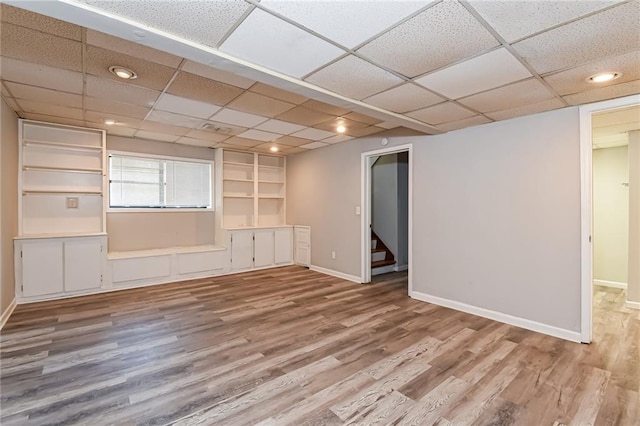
(249,74)
(611,128)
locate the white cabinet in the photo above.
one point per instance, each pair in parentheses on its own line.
(241,250)
(55,266)
(283,245)
(302,245)
(261,248)
(41,268)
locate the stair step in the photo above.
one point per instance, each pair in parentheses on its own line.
(378,255)
(380,263)
(377,250)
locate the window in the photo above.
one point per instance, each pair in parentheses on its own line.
(159,183)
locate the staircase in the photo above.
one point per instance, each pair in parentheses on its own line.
(381,257)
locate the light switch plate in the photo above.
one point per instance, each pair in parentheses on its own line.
(72,202)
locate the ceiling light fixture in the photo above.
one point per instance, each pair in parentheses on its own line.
(603,77)
(122,72)
(273,149)
(109,122)
(341,128)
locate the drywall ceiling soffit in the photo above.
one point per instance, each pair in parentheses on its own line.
(306,63)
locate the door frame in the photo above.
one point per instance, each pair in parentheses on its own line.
(586,205)
(365,202)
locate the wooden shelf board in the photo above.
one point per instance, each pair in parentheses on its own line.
(238,180)
(271,181)
(237,196)
(233,163)
(60,145)
(62,169)
(53,192)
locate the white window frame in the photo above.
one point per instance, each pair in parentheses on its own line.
(163,209)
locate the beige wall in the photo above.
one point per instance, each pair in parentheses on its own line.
(149,230)
(8,201)
(610,214)
(633,288)
(496,213)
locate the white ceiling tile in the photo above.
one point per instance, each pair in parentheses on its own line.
(314,145)
(441,113)
(52,119)
(348,23)
(121,92)
(574,79)
(273,43)
(337,139)
(389,124)
(313,134)
(238,141)
(207,135)
(154,136)
(354,78)
(115,107)
(38,94)
(50,109)
(604,93)
(238,118)
(441,35)
(184,106)
(279,126)
(196,142)
(516,19)
(131,48)
(175,119)
(608,33)
(526,109)
(168,129)
(259,135)
(121,121)
(490,70)
(41,75)
(203,21)
(407,97)
(466,122)
(511,96)
(121,131)
(216,74)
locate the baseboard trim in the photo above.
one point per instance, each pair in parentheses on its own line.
(401,268)
(7,313)
(612,284)
(336,274)
(632,305)
(561,333)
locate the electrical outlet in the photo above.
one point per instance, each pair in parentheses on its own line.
(72,202)
(333,254)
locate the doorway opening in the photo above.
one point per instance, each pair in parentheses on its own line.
(387,212)
(609,211)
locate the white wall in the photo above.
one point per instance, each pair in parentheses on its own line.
(496,213)
(384,200)
(149,230)
(402,257)
(610,214)
(633,288)
(8,202)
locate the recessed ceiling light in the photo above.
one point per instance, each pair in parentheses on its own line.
(109,122)
(341,128)
(122,72)
(603,77)
(273,149)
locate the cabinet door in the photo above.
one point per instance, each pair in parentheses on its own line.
(283,246)
(82,264)
(241,250)
(41,268)
(264,248)
(302,245)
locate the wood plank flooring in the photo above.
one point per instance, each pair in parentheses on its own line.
(289,346)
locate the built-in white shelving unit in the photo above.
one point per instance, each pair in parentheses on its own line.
(253,188)
(61,181)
